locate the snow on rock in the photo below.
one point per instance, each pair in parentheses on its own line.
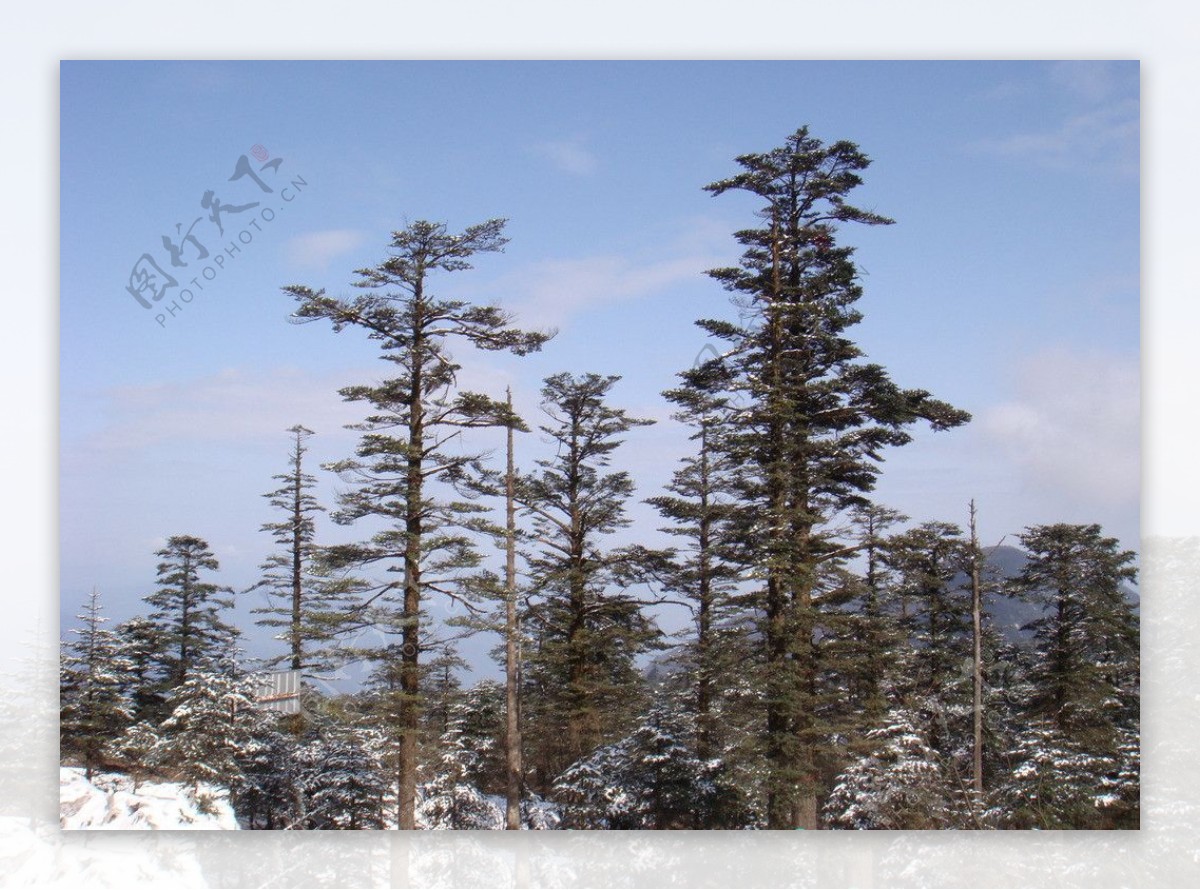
(109,802)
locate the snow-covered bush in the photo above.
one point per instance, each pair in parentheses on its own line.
(902,784)
(650,779)
(1056,783)
(452,799)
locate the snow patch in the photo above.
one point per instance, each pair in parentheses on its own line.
(110,802)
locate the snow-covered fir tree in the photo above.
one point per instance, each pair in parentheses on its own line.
(143,643)
(1076,761)
(1085,680)
(188,609)
(213,720)
(901,784)
(268,790)
(93,677)
(1055,782)
(452,799)
(651,779)
(342,780)
(134,750)
(932,596)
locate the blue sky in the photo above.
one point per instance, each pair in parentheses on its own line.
(1009,285)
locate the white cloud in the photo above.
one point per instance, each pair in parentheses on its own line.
(1074,426)
(551,292)
(315,249)
(558,289)
(230,406)
(1102,131)
(1104,138)
(569,156)
(247,407)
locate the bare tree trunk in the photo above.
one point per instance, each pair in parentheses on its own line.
(410,651)
(977,629)
(297,562)
(511,655)
(704,728)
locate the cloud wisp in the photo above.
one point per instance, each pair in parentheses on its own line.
(568,156)
(1074,426)
(232,405)
(556,291)
(315,250)
(561,289)
(1099,134)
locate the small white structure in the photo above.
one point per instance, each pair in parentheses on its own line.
(279,691)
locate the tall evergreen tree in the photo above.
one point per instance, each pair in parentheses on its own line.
(808,422)
(698,505)
(93,677)
(410,441)
(588,629)
(877,636)
(305,603)
(1086,676)
(931,563)
(187,609)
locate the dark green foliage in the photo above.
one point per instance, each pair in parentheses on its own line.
(703,572)
(806,423)
(586,628)
(1085,681)
(187,609)
(931,597)
(411,443)
(308,604)
(93,677)
(143,643)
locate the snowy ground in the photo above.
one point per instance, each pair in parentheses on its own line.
(109,802)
